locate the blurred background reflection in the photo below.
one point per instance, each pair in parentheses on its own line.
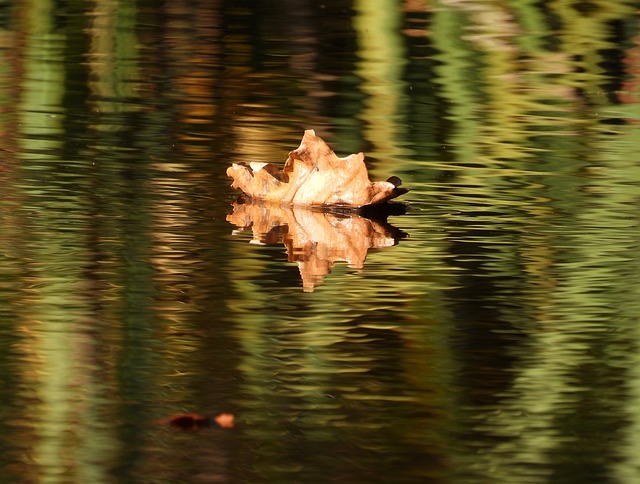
(498,342)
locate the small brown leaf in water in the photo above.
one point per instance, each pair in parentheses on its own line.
(195,421)
(188,421)
(314,175)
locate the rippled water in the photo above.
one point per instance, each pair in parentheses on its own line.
(490,334)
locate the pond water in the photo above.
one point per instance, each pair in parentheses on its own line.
(490,334)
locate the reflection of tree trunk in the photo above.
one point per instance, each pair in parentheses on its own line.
(381,67)
(630,89)
(113,58)
(315,240)
(53,308)
(42,87)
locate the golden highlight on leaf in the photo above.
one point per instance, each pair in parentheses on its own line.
(314,175)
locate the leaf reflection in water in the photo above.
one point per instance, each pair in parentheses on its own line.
(317,239)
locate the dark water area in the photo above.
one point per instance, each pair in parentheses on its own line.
(489,334)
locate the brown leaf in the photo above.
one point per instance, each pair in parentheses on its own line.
(195,421)
(187,421)
(314,175)
(315,239)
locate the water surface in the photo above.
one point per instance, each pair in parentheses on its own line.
(490,334)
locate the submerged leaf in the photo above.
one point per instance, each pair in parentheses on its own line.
(188,421)
(314,175)
(195,421)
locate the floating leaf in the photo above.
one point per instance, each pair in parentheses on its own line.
(314,175)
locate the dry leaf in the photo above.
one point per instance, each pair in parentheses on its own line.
(195,421)
(187,421)
(314,175)
(315,239)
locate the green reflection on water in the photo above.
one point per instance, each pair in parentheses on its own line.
(381,65)
(42,87)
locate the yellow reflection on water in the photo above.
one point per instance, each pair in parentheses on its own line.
(381,65)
